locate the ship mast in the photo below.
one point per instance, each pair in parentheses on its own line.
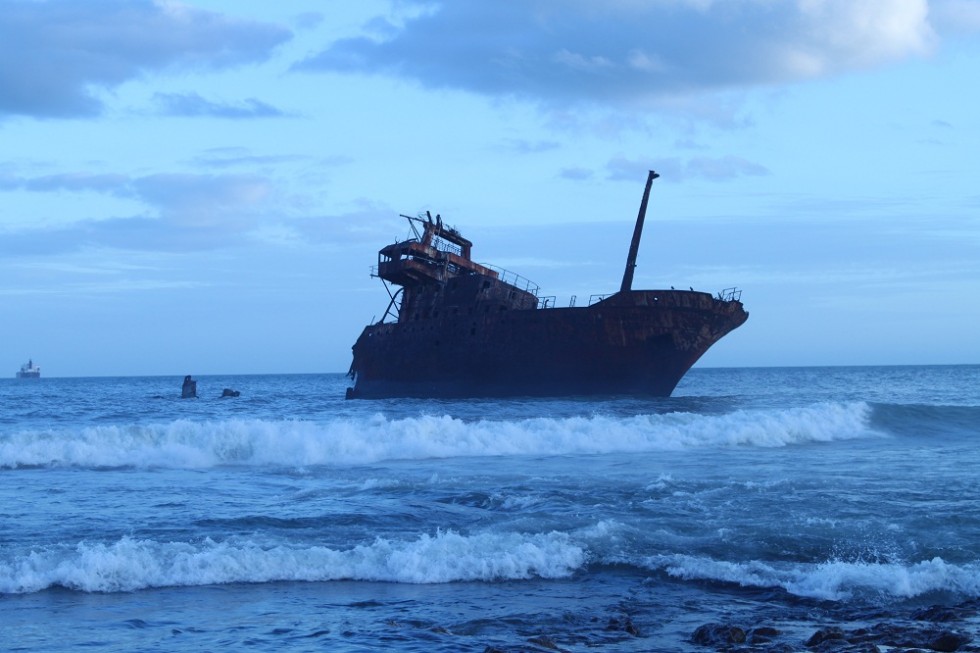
(637,231)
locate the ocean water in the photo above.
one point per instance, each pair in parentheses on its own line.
(756,509)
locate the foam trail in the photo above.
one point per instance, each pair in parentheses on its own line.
(133,564)
(352,441)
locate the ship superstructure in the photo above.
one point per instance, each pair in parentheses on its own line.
(29,371)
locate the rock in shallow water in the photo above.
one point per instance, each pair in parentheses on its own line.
(718,635)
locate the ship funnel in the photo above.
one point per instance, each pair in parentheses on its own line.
(637,232)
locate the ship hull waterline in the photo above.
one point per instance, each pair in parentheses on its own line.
(634,342)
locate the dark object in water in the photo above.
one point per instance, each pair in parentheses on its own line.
(718,635)
(189,389)
(228,392)
(461,329)
(29,370)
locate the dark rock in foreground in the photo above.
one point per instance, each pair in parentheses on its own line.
(834,639)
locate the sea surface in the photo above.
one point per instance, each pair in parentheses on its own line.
(782,509)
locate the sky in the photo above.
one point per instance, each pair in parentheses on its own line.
(202,186)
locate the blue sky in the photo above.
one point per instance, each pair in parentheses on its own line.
(202,186)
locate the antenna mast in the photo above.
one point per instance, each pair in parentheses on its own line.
(637,231)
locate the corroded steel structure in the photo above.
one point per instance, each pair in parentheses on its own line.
(455,328)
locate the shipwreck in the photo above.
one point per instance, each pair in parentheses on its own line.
(457,328)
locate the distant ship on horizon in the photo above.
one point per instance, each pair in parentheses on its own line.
(29,370)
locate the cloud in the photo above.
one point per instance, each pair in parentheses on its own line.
(203,199)
(576,174)
(723,168)
(227,157)
(190,213)
(524,146)
(59,53)
(72,182)
(625,52)
(184,212)
(308,20)
(192,104)
(956,16)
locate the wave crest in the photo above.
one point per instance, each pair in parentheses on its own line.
(134,564)
(361,440)
(834,580)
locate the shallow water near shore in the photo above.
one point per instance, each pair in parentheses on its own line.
(781,502)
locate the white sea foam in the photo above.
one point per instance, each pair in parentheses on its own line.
(351,441)
(132,564)
(832,580)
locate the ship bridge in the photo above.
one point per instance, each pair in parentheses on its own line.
(438,279)
(435,255)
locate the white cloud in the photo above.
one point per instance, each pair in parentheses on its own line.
(628,52)
(58,53)
(839,35)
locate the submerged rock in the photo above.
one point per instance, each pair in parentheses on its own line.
(762,635)
(823,635)
(626,626)
(718,635)
(836,640)
(945,614)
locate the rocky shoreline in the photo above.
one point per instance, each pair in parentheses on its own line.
(937,628)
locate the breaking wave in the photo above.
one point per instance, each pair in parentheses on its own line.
(134,564)
(360,440)
(833,580)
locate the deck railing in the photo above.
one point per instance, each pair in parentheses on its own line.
(514,279)
(730,295)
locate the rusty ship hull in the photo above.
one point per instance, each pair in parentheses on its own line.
(462,329)
(642,342)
